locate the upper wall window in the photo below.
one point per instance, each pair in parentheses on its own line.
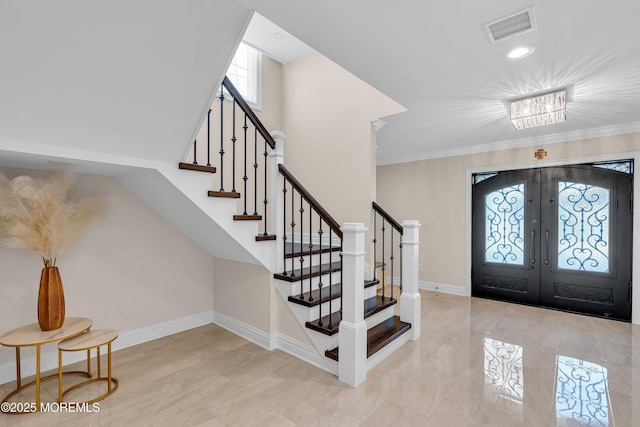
(245,72)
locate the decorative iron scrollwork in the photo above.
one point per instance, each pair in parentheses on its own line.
(583,293)
(504,225)
(517,285)
(583,227)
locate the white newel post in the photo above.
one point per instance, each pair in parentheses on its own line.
(410,299)
(276,207)
(352,369)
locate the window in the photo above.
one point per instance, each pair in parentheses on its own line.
(245,72)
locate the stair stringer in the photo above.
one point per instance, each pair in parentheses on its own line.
(320,341)
(181,197)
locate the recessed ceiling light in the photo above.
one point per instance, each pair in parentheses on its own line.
(277,36)
(520,52)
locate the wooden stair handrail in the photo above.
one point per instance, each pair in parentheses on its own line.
(332,223)
(389,218)
(248,111)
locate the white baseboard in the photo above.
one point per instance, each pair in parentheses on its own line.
(306,353)
(49,360)
(439,287)
(246,331)
(270,342)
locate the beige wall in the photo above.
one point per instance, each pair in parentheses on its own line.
(329,145)
(128,269)
(247,293)
(433,192)
(243,292)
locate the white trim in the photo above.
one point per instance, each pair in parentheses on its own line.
(49,360)
(315,240)
(516,143)
(441,287)
(246,331)
(306,353)
(291,346)
(635,263)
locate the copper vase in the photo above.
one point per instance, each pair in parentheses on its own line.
(50,300)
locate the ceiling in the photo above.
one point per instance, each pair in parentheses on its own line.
(435,59)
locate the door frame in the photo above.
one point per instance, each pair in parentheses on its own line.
(635,262)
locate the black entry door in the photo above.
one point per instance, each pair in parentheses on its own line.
(555,237)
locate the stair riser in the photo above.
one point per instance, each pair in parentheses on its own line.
(294,287)
(308,314)
(386,351)
(315,259)
(321,341)
(369,292)
(379,317)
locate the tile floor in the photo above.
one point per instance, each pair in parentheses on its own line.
(477,363)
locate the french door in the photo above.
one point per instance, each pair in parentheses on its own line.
(557,237)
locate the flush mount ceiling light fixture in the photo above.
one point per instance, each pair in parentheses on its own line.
(520,52)
(539,110)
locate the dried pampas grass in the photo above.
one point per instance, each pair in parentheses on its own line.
(35,214)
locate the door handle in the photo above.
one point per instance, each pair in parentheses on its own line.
(546,245)
(533,248)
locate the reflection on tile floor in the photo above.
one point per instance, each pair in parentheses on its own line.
(477,363)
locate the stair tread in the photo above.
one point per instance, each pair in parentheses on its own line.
(332,319)
(334,292)
(247,217)
(263,237)
(198,168)
(306,272)
(292,250)
(376,304)
(379,336)
(369,283)
(227,194)
(372,306)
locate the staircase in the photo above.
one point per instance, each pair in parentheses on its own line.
(320,279)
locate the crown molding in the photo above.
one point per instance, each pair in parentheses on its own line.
(516,143)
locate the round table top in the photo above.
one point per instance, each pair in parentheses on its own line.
(91,339)
(31,335)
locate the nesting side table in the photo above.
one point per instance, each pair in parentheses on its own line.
(87,341)
(33,336)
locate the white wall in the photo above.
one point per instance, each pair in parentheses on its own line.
(130,269)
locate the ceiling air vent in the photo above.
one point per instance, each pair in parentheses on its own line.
(514,24)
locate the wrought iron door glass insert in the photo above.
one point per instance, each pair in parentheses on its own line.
(583,227)
(504,227)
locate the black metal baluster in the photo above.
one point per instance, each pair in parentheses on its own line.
(266,201)
(341,278)
(320,323)
(293,225)
(392,257)
(244,177)
(195,151)
(209,138)
(310,246)
(401,237)
(233,148)
(375,245)
(284,225)
(330,325)
(255,174)
(301,210)
(383,263)
(221,139)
